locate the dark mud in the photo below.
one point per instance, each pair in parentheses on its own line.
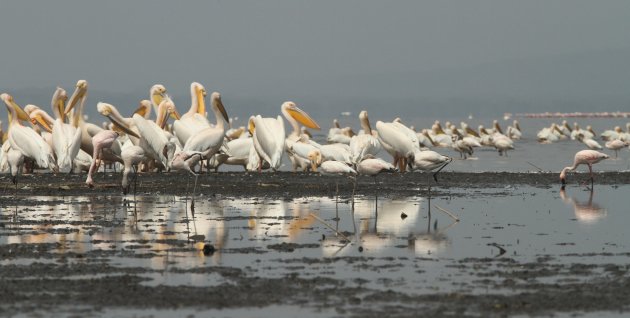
(56,278)
(291,185)
(48,286)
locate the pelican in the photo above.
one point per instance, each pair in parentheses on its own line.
(515,132)
(366,143)
(209,140)
(590,143)
(583,157)
(399,141)
(608,135)
(269,135)
(66,138)
(152,136)
(25,139)
(502,143)
(551,134)
(195,119)
(88,130)
(462,147)
(156,95)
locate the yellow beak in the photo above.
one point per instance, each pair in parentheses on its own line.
(303,118)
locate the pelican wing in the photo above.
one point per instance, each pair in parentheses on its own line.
(31,145)
(269,138)
(391,135)
(153,139)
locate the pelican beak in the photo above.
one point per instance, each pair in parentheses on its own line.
(157,98)
(175,114)
(141,110)
(164,119)
(201,101)
(251,127)
(78,93)
(472,132)
(122,127)
(38,119)
(61,107)
(303,117)
(21,114)
(222,109)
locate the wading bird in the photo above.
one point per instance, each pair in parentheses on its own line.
(583,157)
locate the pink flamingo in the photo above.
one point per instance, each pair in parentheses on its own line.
(102,140)
(583,157)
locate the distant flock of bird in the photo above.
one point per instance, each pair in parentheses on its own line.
(66,142)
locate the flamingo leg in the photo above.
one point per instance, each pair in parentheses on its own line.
(442,167)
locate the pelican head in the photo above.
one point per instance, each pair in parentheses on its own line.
(301,116)
(215,100)
(144,109)
(199,92)
(251,126)
(58,103)
(10,103)
(315,157)
(38,116)
(157,92)
(80,92)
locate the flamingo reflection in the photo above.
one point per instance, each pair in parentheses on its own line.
(585,212)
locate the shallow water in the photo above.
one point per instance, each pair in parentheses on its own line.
(420,253)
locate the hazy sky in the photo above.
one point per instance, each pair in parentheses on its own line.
(293,48)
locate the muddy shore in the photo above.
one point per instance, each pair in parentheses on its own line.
(53,278)
(291,185)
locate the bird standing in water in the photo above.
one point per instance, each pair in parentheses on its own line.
(583,157)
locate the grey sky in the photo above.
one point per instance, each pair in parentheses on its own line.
(291,49)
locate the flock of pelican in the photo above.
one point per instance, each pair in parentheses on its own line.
(67,142)
(614,139)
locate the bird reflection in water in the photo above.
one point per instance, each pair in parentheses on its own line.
(585,212)
(396,219)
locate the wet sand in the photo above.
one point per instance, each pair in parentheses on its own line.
(44,278)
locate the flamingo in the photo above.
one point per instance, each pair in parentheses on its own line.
(101,141)
(616,145)
(131,157)
(583,157)
(429,160)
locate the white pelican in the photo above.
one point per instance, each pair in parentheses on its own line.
(210,139)
(25,139)
(502,143)
(515,132)
(366,143)
(152,136)
(590,143)
(195,119)
(612,134)
(88,130)
(269,135)
(156,95)
(400,141)
(462,147)
(65,137)
(550,134)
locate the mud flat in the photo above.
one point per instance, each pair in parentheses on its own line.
(287,184)
(522,247)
